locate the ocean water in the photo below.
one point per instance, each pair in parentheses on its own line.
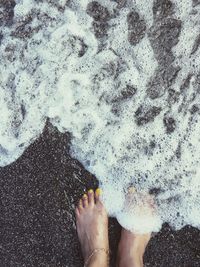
(123,77)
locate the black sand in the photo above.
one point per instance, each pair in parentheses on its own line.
(38,193)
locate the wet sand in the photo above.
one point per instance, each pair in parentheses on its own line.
(38,194)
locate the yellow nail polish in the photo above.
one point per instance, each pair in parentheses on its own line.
(132,189)
(99,191)
(84,196)
(90,191)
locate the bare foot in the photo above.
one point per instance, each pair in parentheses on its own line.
(133,244)
(92,228)
(131,248)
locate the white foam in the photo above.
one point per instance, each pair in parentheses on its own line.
(49,75)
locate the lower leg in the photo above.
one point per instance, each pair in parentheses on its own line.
(132,244)
(131,249)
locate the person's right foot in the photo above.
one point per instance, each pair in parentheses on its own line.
(133,244)
(131,249)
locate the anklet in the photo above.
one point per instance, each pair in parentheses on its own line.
(94,252)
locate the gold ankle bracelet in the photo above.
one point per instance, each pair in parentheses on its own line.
(94,252)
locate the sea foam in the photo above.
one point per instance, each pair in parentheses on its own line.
(123,78)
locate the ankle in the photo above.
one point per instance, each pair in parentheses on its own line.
(100,259)
(135,249)
(138,250)
(131,255)
(97,262)
(133,261)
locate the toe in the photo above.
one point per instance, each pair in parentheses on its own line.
(98,193)
(91,196)
(85,201)
(80,205)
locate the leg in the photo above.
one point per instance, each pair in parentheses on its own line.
(133,244)
(92,228)
(131,249)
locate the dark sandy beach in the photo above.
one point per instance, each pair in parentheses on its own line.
(37,226)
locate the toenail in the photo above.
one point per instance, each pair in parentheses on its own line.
(90,191)
(99,191)
(84,196)
(131,189)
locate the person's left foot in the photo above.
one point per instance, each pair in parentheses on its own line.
(92,227)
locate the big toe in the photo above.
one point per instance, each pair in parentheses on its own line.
(98,193)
